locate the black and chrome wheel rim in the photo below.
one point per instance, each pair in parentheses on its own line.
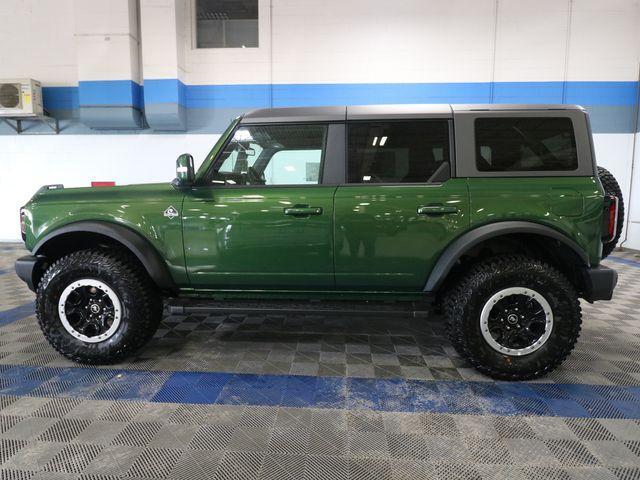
(90,310)
(516,321)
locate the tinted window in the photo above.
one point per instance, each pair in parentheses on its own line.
(398,152)
(525,144)
(271,155)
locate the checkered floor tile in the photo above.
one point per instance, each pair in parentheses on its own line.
(128,428)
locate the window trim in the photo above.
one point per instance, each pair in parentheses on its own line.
(193,17)
(452,155)
(203,183)
(465,142)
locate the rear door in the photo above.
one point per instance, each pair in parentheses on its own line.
(400,207)
(262,219)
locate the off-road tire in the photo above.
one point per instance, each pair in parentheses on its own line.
(463,305)
(140,301)
(611,187)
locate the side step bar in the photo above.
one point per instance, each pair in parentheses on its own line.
(187,306)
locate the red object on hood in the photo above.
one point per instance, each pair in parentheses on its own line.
(103,184)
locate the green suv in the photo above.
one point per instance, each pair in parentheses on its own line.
(494,214)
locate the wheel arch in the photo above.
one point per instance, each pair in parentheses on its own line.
(87,234)
(512,231)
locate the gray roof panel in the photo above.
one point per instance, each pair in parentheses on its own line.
(295,114)
(476,107)
(371,112)
(382,112)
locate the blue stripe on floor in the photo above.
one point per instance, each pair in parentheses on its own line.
(624,261)
(16,313)
(459,397)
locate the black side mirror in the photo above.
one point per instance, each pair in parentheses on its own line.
(185,173)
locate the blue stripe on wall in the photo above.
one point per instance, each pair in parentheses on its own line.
(112,93)
(473,398)
(262,95)
(165,91)
(60,98)
(613,105)
(231,96)
(125,92)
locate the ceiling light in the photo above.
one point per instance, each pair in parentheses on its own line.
(375,140)
(383,140)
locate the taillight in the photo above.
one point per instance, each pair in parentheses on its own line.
(610,218)
(23,225)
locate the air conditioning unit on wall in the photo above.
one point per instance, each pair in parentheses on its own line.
(20,98)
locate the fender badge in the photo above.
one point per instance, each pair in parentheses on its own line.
(171,212)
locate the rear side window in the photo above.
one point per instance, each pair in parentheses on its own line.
(525,144)
(398,152)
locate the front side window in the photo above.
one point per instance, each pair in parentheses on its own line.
(398,152)
(226,23)
(271,155)
(525,144)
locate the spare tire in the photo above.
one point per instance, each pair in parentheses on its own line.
(611,187)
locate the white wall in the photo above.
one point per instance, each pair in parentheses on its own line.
(28,162)
(372,41)
(38,40)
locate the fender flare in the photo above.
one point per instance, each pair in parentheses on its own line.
(136,243)
(467,241)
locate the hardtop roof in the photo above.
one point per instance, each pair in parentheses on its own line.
(370,112)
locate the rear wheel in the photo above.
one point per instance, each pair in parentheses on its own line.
(513,317)
(611,187)
(97,306)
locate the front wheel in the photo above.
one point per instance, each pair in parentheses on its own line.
(513,317)
(97,306)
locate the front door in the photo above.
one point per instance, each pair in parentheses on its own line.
(399,209)
(261,219)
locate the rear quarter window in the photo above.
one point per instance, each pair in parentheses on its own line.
(525,144)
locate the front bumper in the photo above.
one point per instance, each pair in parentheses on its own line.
(600,282)
(29,269)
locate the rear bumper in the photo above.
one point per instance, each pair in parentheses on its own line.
(28,268)
(600,282)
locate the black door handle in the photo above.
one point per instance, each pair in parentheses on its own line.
(437,209)
(303,211)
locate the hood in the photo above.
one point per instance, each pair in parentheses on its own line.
(139,207)
(59,194)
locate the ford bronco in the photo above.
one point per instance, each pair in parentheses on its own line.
(494,214)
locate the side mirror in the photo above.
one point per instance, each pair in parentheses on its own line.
(185,173)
